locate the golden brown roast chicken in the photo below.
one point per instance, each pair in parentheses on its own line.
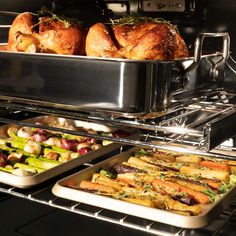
(50,34)
(143,39)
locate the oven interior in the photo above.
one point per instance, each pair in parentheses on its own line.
(205,123)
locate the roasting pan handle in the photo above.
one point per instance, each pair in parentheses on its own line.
(198,51)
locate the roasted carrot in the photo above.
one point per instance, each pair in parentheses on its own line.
(205,173)
(174,189)
(214,165)
(140,167)
(188,184)
(181,208)
(162,201)
(233,170)
(214,184)
(142,164)
(230,162)
(168,157)
(134,179)
(189,158)
(97,187)
(170,165)
(144,202)
(101,179)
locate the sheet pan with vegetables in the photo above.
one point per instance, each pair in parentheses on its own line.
(29,155)
(175,188)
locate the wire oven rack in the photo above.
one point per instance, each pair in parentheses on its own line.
(42,194)
(201,123)
(191,118)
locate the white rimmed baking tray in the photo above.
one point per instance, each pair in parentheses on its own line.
(210,211)
(29,181)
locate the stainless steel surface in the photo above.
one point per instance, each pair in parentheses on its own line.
(198,51)
(36,77)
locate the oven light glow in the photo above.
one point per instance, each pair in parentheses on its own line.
(121,92)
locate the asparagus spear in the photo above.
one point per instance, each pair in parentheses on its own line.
(12,133)
(26,145)
(28,168)
(42,163)
(35,147)
(15,149)
(7,169)
(65,153)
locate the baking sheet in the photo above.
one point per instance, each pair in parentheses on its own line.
(210,211)
(28,181)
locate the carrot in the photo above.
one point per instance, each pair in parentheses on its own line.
(233,170)
(168,157)
(142,164)
(195,186)
(130,182)
(230,162)
(214,165)
(189,158)
(162,201)
(144,202)
(174,188)
(170,165)
(205,173)
(137,180)
(101,179)
(97,187)
(212,183)
(178,207)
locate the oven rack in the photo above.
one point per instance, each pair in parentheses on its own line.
(201,124)
(42,194)
(15,113)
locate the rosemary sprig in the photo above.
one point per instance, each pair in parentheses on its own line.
(131,20)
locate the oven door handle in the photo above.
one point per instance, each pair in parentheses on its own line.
(198,52)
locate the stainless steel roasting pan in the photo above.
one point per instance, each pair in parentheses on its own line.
(209,211)
(32,180)
(126,87)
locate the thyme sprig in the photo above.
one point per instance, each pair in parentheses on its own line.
(54,17)
(132,20)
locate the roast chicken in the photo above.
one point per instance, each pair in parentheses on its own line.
(145,40)
(30,33)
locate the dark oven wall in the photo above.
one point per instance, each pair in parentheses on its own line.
(222,17)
